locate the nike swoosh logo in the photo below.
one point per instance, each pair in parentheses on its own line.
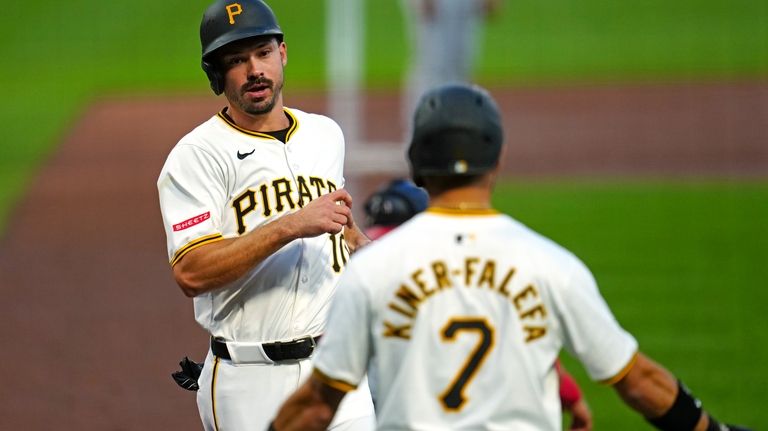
(241,156)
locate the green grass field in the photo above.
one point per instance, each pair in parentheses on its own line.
(58,56)
(682,266)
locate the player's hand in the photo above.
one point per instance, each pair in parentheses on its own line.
(328,213)
(581,416)
(354,237)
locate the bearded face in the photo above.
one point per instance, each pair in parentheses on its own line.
(254,74)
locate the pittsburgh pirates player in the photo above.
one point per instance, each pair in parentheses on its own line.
(258,225)
(393,205)
(462,311)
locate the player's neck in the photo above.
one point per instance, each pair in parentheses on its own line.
(463,198)
(268,122)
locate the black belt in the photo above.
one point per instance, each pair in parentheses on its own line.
(300,348)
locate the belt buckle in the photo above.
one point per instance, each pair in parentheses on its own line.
(294,346)
(299,341)
(312,345)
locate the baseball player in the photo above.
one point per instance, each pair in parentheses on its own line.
(462,311)
(443,35)
(258,226)
(397,202)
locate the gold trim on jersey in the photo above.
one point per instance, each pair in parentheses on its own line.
(462,211)
(621,374)
(213,392)
(193,245)
(339,385)
(294,126)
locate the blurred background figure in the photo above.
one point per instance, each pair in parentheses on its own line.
(392,205)
(442,35)
(399,200)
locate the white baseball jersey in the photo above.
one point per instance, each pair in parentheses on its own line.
(462,315)
(221,181)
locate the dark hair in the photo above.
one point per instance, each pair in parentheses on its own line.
(438,184)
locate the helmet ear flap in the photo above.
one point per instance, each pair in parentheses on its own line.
(215,77)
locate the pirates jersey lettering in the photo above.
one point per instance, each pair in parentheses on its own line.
(203,174)
(475,274)
(277,194)
(488,313)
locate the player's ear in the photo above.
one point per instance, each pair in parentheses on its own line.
(283,53)
(502,156)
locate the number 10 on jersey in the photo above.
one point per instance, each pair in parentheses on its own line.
(340,251)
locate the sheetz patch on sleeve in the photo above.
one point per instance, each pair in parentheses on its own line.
(192,221)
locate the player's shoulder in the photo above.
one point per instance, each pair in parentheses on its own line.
(206,138)
(197,136)
(539,243)
(542,255)
(313,120)
(204,132)
(198,144)
(503,230)
(552,259)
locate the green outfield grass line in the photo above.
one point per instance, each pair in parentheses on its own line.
(682,265)
(56,60)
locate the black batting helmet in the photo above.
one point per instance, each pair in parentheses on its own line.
(456,132)
(395,203)
(227,21)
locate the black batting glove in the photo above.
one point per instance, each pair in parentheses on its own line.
(187,377)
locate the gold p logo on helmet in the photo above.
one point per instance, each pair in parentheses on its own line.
(233,10)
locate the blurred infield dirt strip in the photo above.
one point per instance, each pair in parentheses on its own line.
(93,323)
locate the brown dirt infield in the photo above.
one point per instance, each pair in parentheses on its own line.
(93,324)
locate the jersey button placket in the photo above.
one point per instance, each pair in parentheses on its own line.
(291,163)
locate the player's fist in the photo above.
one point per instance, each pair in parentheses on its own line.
(328,213)
(581,416)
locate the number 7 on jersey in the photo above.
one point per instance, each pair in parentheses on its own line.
(452,398)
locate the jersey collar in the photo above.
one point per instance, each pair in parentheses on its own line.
(462,211)
(294,125)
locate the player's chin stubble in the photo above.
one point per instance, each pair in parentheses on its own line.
(255,108)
